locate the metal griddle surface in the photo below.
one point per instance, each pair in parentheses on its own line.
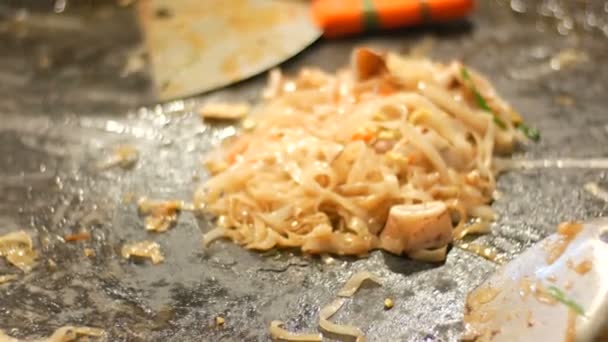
(66,99)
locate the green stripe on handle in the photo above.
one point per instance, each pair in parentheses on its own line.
(371,21)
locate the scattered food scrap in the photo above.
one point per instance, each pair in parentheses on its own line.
(477,227)
(89,252)
(219,320)
(5,278)
(124,156)
(18,249)
(224,111)
(63,334)
(143,249)
(568,58)
(159,215)
(597,191)
(81,236)
(388,304)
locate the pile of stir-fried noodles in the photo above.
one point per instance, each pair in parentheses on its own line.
(394,153)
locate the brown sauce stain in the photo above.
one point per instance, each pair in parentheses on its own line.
(537,289)
(482,296)
(571,327)
(583,267)
(529,319)
(475,314)
(567,231)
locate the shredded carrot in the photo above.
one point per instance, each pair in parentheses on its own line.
(385,89)
(366,136)
(77,237)
(276,136)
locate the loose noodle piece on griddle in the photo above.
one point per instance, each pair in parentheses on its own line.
(331,154)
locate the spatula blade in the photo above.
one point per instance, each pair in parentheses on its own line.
(196,46)
(555,291)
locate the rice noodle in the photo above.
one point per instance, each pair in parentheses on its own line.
(353,284)
(5,278)
(429,255)
(339,329)
(213,235)
(331,154)
(63,334)
(478,227)
(348,290)
(281,334)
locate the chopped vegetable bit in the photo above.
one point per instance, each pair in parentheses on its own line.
(387,134)
(481,102)
(366,134)
(77,237)
(219,320)
(561,297)
(388,304)
(531,132)
(224,111)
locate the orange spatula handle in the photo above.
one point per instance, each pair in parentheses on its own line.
(344,17)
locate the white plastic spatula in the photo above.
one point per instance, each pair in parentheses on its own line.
(199,45)
(555,291)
